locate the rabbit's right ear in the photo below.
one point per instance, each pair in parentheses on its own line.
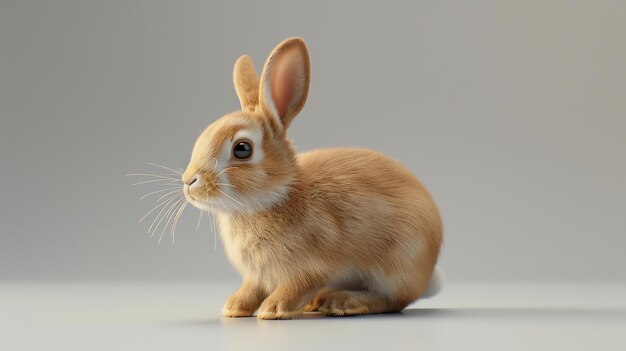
(246,83)
(285,81)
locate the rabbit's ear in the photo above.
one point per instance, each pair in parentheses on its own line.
(246,83)
(285,80)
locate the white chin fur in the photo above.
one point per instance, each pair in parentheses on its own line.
(230,201)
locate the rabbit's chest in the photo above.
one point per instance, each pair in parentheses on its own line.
(252,255)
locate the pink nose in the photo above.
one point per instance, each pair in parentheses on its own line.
(193,180)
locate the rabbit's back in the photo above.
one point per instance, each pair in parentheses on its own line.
(379,206)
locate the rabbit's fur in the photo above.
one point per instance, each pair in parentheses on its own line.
(341,231)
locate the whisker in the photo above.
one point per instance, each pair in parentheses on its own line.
(212,220)
(150,175)
(165,181)
(224,184)
(199,219)
(154,208)
(170,212)
(169,219)
(178,214)
(211,216)
(171,201)
(175,175)
(213,224)
(168,209)
(158,191)
(174,198)
(165,167)
(181,210)
(176,218)
(225,169)
(178,189)
(230,197)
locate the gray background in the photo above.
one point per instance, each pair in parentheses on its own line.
(512,113)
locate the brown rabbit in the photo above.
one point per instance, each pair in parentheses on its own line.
(348,231)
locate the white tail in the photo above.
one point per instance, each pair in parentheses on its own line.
(434,285)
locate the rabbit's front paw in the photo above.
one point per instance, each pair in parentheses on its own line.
(244,301)
(274,308)
(238,306)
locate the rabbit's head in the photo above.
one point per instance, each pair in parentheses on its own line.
(244,161)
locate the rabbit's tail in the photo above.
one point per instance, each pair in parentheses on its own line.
(434,285)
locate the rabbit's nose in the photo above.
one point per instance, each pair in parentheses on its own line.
(193,180)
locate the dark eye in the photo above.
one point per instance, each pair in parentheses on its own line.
(242,150)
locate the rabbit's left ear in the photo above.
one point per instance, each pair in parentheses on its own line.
(246,83)
(285,81)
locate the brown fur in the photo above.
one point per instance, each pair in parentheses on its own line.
(342,231)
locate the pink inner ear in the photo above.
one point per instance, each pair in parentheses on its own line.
(282,85)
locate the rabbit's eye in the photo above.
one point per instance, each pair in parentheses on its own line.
(242,150)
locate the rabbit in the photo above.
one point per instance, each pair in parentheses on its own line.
(341,231)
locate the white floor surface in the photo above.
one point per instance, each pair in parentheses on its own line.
(186,316)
